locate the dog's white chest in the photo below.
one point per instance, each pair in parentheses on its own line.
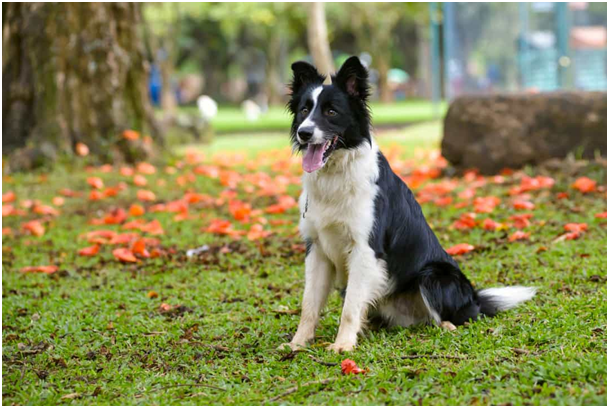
(337,204)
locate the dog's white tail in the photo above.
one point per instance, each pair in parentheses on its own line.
(494,300)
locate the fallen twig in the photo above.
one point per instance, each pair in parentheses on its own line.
(216,347)
(360,389)
(432,356)
(296,388)
(190,385)
(327,364)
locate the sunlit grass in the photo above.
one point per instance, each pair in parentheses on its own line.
(231,119)
(417,136)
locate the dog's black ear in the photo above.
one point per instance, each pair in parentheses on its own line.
(353,78)
(305,74)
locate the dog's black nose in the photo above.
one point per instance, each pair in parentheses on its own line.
(305,134)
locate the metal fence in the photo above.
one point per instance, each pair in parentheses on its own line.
(509,47)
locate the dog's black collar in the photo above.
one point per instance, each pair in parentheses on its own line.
(306,206)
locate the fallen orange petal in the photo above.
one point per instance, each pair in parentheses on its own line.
(136,210)
(131,134)
(490,225)
(164,307)
(139,248)
(523,205)
(124,255)
(68,193)
(139,180)
(34,227)
(145,195)
(82,149)
(45,210)
(96,195)
(58,201)
(8,197)
(48,269)
(96,182)
(584,184)
(89,251)
(460,249)
(350,367)
(575,227)
(519,236)
(145,168)
(7,209)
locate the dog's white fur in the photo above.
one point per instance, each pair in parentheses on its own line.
(318,135)
(337,207)
(510,296)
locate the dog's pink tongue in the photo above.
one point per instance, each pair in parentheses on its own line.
(313,158)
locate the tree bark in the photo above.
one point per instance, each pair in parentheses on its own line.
(273,78)
(386,95)
(317,37)
(169,103)
(73,73)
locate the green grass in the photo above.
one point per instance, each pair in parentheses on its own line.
(90,334)
(230,119)
(415,137)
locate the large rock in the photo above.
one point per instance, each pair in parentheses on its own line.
(512,130)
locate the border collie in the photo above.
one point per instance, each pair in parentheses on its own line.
(364,230)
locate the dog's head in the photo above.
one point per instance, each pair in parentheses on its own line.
(327,118)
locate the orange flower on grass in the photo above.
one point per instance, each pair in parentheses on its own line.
(519,236)
(95,182)
(89,251)
(124,255)
(48,269)
(460,249)
(585,185)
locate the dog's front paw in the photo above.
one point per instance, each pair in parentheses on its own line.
(446,325)
(290,346)
(339,347)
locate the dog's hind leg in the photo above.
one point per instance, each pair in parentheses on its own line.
(319,276)
(366,284)
(448,295)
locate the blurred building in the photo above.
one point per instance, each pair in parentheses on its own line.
(534,47)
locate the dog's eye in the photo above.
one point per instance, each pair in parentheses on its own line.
(331,112)
(304,111)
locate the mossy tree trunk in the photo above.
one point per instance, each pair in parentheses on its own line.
(73,73)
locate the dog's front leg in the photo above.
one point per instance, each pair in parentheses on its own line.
(319,276)
(365,284)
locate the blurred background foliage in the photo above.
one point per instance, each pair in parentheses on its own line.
(82,73)
(242,49)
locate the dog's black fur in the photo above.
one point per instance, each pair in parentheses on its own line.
(415,259)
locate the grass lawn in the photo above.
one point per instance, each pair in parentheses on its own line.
(231,119)
(172,329)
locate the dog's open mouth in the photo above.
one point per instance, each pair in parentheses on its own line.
(317,155)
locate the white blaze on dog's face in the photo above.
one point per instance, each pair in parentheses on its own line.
(308,126)
(328,117)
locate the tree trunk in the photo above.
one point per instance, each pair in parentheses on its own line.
(73,73)
(382,63)
(317,36)
(169,103)
(424,73)
(273,79)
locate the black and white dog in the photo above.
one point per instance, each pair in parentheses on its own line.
(365,232)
